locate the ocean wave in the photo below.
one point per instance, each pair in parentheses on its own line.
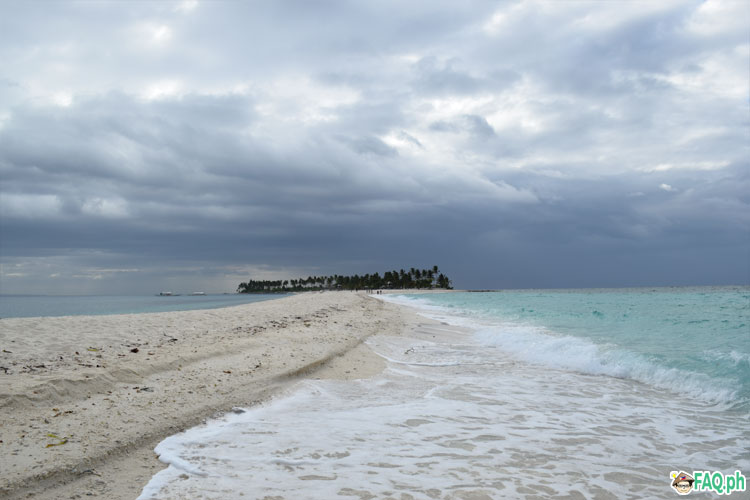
(447,313)
(405,300)
(735,358)
(540,346)
(535,345)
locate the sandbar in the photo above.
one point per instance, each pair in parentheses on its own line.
(84,399)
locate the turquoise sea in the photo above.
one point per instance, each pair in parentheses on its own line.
(29,306)
(516,394)
(694,342)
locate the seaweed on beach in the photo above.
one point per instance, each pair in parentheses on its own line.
(61,441)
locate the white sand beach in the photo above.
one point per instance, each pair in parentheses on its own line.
(84,399)
(335,395)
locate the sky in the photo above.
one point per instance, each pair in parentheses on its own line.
(192,145)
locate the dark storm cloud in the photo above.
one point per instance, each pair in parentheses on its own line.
(519,144)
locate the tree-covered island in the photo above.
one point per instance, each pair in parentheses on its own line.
(413,278)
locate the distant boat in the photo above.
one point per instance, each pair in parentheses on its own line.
(198,293)
(165,294)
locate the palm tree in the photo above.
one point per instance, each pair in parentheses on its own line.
(414,278)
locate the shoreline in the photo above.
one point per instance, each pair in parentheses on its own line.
(111,387)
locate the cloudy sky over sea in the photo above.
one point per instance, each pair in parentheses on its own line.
(147,146)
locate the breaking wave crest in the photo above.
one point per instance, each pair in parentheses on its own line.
(541,346)
(532,345)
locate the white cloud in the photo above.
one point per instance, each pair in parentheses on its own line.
(30,206)
(187,6)
(161,33)
(605,16)
(300,99)
(503,18)
(163,89)
(63,99)
(5,117)
(520,107)
(146,36)
(718,73)
(718,17)
(703,165)
(667,188)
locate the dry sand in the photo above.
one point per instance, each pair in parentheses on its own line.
(84,399)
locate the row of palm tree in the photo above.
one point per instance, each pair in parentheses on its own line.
(413,278)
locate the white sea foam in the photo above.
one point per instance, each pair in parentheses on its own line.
(538,345)
(451,418)
(738,359)
(572,353)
